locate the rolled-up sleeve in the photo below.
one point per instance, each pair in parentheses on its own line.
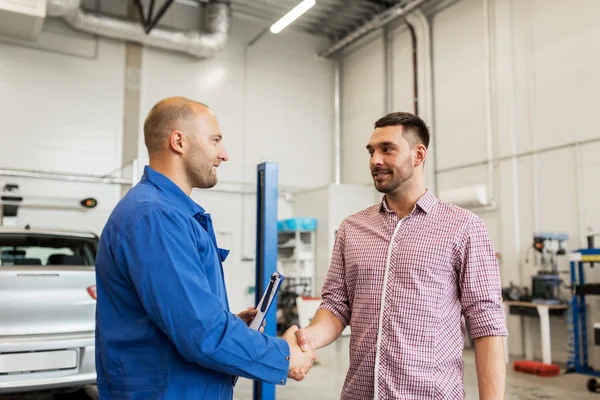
(334,293)
(161,254)
(480,285)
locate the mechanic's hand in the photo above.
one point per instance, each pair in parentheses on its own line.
(300,362)
(248,315)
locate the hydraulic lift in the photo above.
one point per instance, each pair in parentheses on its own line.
(578,313)
(266,252)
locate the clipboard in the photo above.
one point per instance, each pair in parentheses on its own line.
(264,304)
(266,300)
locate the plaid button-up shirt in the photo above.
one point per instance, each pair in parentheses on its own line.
(402,286)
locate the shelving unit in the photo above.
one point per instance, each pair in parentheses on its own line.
(296,260)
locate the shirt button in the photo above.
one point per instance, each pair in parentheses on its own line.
(282,381)
(288,358)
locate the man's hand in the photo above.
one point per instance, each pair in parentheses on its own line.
(306,340)
(248,315)
(300,362)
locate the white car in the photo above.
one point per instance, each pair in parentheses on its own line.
(47,309)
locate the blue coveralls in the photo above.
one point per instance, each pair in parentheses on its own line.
(163,325)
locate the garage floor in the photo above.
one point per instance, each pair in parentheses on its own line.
(326,379)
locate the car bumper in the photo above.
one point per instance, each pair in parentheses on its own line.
(83,373)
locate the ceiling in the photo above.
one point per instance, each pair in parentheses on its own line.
(330,18)
(327,18)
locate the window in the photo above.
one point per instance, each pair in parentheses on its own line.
(42,249)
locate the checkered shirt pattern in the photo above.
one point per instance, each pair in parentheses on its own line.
(440,265)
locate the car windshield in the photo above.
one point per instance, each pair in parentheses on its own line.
(43,249)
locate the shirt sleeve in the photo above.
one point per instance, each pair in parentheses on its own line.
(334,293)
(480,286)
(160,252)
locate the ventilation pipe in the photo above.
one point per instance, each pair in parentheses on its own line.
(198,44)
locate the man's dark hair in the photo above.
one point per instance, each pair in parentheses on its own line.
(410,122)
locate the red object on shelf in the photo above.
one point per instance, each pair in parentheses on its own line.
(536,368)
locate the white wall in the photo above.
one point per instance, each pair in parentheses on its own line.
(535,90)
(363,94)
(274,104)
(329,205)
(362,103)
(61,107)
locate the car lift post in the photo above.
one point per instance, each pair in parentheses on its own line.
(266,253)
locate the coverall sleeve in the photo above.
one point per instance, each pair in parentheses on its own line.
(160,252)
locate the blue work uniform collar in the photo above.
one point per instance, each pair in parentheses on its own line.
(183,201)
(172,191)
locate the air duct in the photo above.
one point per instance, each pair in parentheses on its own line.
(198,44)
(467,197)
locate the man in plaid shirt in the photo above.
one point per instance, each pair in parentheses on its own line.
(402,274)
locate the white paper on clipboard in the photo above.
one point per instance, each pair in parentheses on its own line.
(266,300)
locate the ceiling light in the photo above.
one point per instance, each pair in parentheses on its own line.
(291,16)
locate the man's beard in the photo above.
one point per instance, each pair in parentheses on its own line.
(199,169)
(395,180)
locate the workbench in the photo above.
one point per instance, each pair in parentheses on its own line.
(544,312)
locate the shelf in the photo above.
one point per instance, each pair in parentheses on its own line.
(589,289)
(530,311)
(297,255)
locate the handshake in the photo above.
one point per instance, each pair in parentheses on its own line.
(302,349)
(302,352)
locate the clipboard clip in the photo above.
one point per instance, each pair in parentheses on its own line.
(265,304)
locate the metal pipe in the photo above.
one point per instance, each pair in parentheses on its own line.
(150,12)
(579,183)
(378,21)
(134,172)
(489,128)
(63,177)
(519,155)
(388,70)
(337,137)
(415,65)
(512,134)
(423,85)
(161,11)
(198,44)
(140,9)
(286,194)
(532,107)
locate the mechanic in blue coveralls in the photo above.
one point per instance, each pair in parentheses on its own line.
(163,325)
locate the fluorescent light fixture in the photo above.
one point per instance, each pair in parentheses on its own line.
(291,16)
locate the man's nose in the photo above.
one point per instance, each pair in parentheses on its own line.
(376,159)
(223,156)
